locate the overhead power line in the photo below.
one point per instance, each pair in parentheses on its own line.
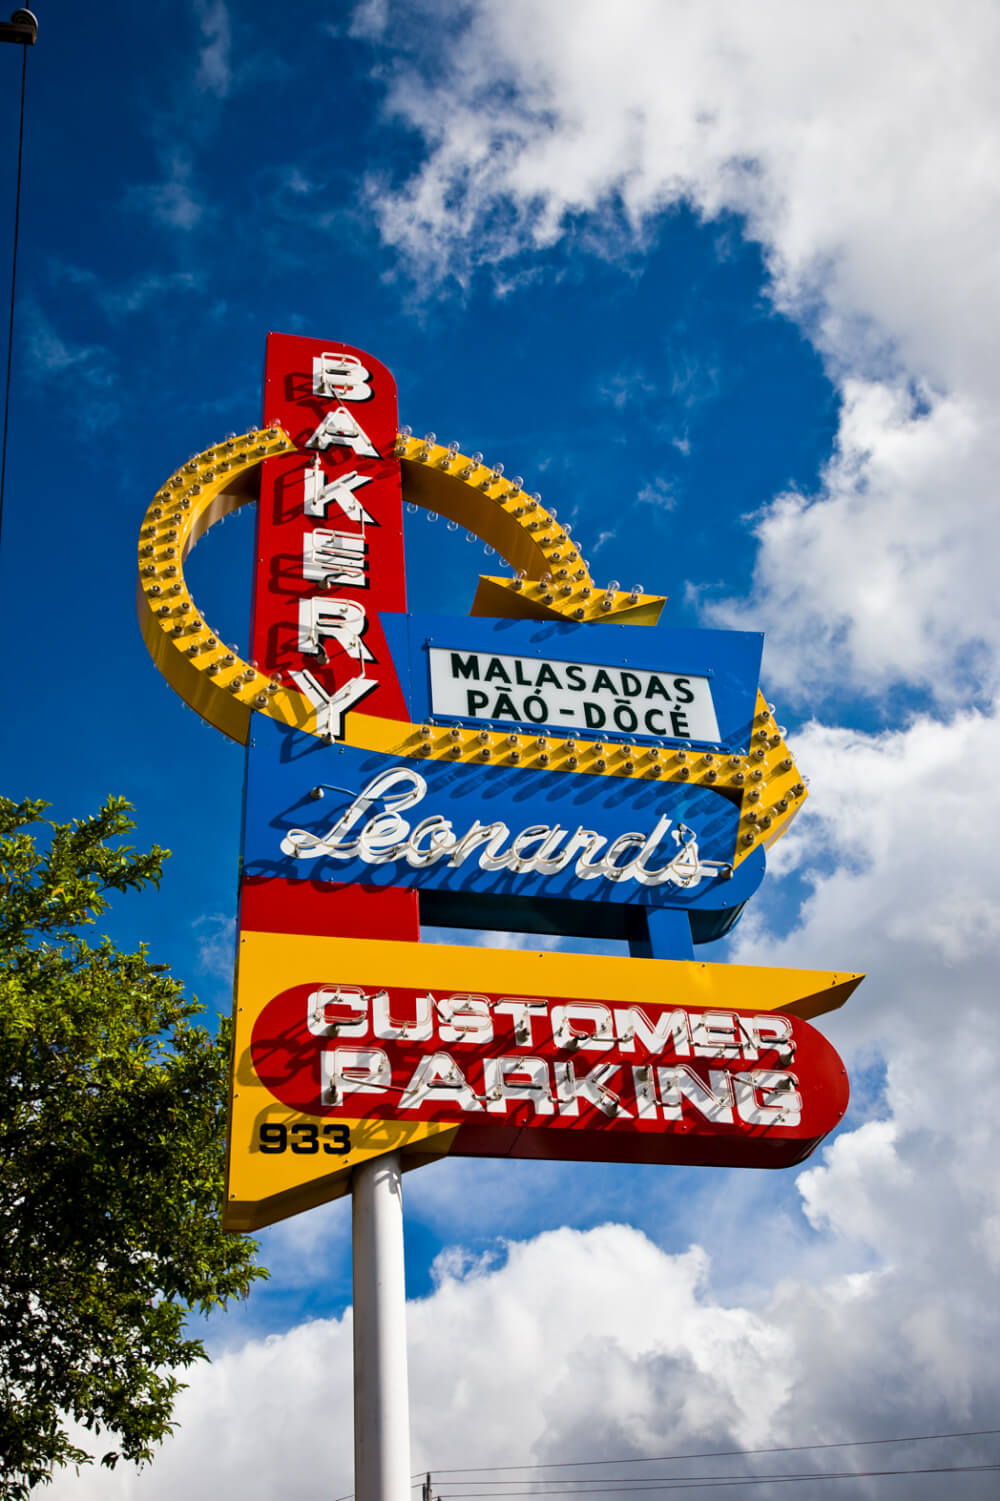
(715,1482)
(22,29)
(574,1464)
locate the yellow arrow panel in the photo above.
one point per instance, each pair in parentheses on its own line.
(264,1186)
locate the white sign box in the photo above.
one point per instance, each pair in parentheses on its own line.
(571,695)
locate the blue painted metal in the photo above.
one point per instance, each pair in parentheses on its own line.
(285,765)
(668,935)
(730,659)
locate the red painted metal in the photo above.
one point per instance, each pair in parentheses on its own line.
(282,522)
(274,905)
(287,1057)
(280,585)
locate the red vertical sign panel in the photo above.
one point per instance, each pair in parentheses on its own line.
(329,558)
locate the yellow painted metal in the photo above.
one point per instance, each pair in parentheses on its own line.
(225,690)
(555,584)
(215,681)
(263,1188)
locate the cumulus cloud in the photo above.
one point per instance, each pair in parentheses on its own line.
(591,1346)
(886,576)
(879,236)
(866,1310)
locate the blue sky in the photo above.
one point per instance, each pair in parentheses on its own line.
(704,284)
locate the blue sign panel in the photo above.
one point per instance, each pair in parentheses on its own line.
(339,814)
(618,683)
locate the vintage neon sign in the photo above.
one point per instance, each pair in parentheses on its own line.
(517,769)
(544,1065)
(346,1049)
(373,830)
(226,690)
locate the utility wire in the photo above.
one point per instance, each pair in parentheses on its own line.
(713,1482)
(13,286)
(579,1464)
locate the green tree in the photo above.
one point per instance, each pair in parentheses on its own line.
(112,1116)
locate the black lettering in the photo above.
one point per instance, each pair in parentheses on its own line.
(625,718)
(651,728)
(575,678)
(547,674)
(306,1142)
(496,669)
(467,669)
(272,1138)
(594,715)
(519,676)
(682,687)
(476,701)
(602,681)
(656,689)
(504,708)
(339,1140)
(679,723)
(535,708)
(631,684)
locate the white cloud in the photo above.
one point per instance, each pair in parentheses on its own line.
(173,201)
(88,372)
(216,937)
(857,144)
(626,388)
(887,574)
(369,20)
(660,493)
(142,290)
(53,356)
(214,73)
(867,1308)
(590,1346)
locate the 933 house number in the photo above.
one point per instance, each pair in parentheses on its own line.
(305,1139)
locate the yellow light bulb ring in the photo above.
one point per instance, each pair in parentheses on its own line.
(225,690)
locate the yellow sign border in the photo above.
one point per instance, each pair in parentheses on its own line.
(261,1189)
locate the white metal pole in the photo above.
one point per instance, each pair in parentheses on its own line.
(381,1390)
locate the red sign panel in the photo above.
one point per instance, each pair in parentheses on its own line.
(330,529)
(329,558)
(525,1076)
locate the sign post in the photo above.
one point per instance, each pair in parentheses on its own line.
(381,1392)
(519,770)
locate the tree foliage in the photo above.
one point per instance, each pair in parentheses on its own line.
(112,1115)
